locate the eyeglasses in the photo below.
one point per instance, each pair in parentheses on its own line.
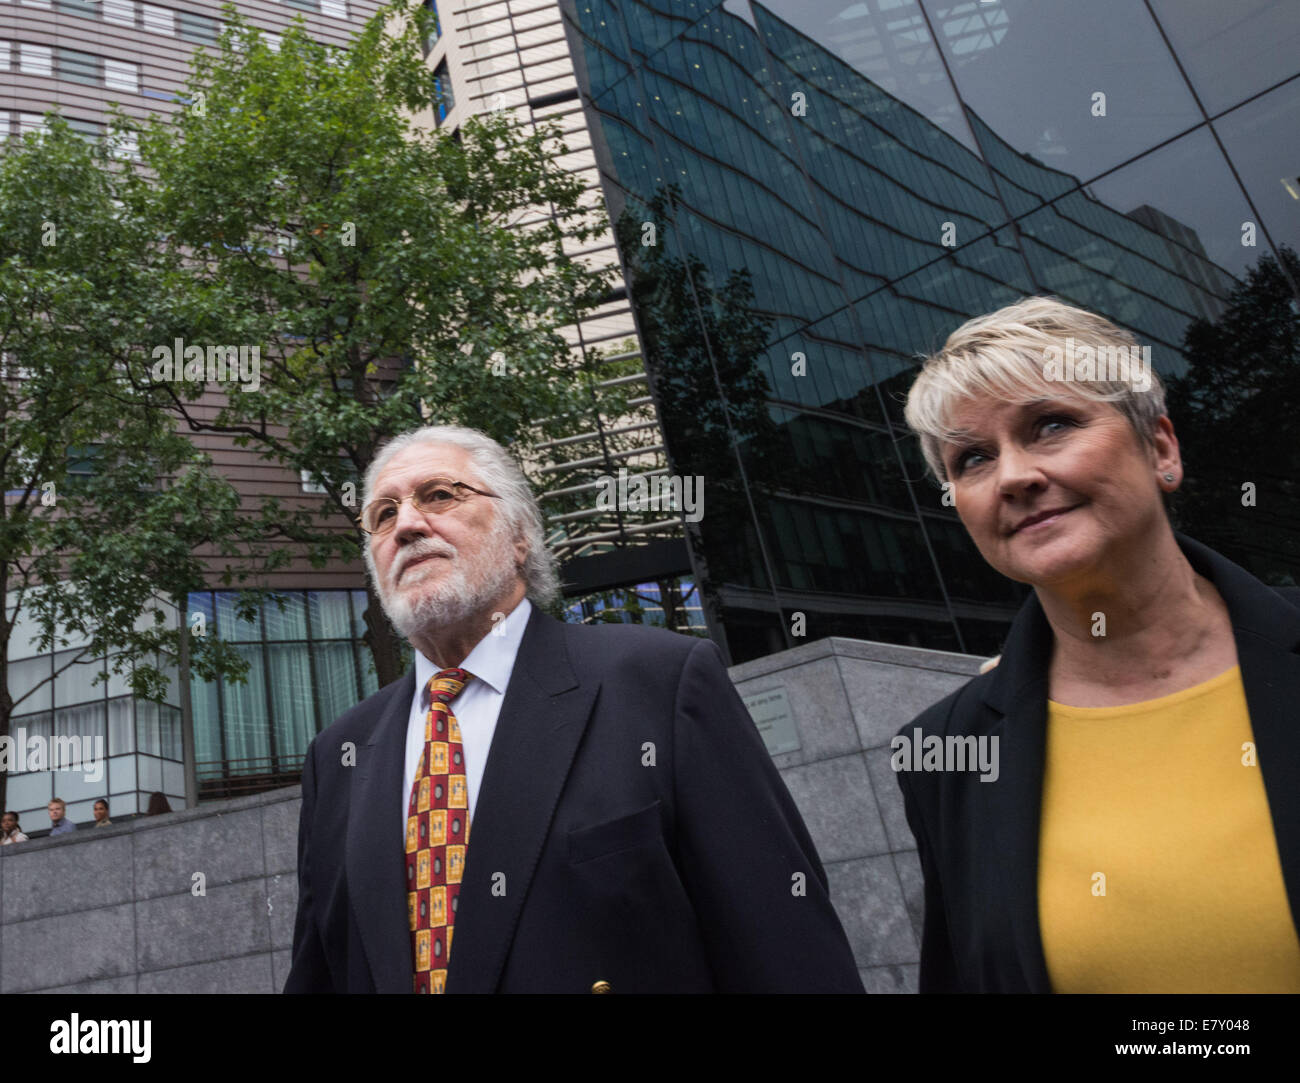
(435,495)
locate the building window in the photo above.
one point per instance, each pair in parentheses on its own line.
(126,146)
(305,5)
(431,38)
(335,9)
(198,28)
(35,59)
(4,56)
(159,20)
(442,88)
(78,67)
(81,460)
(121,12)
(77,7)
(122,75)
(307,666)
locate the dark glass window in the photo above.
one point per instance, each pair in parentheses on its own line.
(442,87)
(77,7)
(1035,80)
(1263,140)
(198,28)
(1231,51)
(431,38)
(79,67)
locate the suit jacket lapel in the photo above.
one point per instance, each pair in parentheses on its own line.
(542,720)
(1018,697)
(376,865)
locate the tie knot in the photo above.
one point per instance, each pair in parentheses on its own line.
(445,685)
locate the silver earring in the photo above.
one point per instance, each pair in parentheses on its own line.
(1169,477)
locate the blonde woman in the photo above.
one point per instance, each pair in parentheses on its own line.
(1142,833)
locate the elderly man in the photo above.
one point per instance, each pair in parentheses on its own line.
(629,831)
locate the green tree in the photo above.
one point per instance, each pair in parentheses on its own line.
(106,505)
(389,274)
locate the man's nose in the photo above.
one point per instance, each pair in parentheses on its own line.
(410,522)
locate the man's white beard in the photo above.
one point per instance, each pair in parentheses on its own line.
(467,588)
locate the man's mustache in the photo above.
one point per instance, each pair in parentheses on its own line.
(418,550)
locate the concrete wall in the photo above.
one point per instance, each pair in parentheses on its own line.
(848,698)
(113,909)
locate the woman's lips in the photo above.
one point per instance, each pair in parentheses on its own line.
(1042,519)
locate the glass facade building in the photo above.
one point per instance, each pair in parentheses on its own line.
(810,195)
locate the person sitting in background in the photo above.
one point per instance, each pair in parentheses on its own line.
(158,804)
(9,830)
(1143,834)
(59,822)
(101,814)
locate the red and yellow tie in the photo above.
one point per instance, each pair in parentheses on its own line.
(437,832)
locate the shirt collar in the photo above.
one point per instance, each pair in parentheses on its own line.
(492,659)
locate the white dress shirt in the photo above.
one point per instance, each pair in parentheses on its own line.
(476,707)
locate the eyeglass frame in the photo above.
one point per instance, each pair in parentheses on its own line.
(397,503)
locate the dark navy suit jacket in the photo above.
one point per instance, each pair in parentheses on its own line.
(978,841)
(695,874)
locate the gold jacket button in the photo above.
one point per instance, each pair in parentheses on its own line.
(602,987)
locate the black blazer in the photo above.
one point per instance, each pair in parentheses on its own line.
(681,876)
(978,841)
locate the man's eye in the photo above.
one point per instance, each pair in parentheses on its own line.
(386,512)
(437,494)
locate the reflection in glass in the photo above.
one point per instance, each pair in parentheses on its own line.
(1263,141)
(1234,413)
(1036,83)
(1231,51)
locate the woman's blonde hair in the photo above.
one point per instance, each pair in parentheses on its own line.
(1023,353)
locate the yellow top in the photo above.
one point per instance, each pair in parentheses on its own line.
(1158,871)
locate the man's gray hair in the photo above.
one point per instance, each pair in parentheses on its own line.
(499,473)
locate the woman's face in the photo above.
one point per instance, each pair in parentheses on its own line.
(1055,491)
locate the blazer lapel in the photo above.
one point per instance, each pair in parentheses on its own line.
(376,866)
(542,720)
(1267,631)
(1018,697)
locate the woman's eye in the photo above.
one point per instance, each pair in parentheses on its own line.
(1055,419)
(967,459)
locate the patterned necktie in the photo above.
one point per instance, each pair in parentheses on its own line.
(437,832)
